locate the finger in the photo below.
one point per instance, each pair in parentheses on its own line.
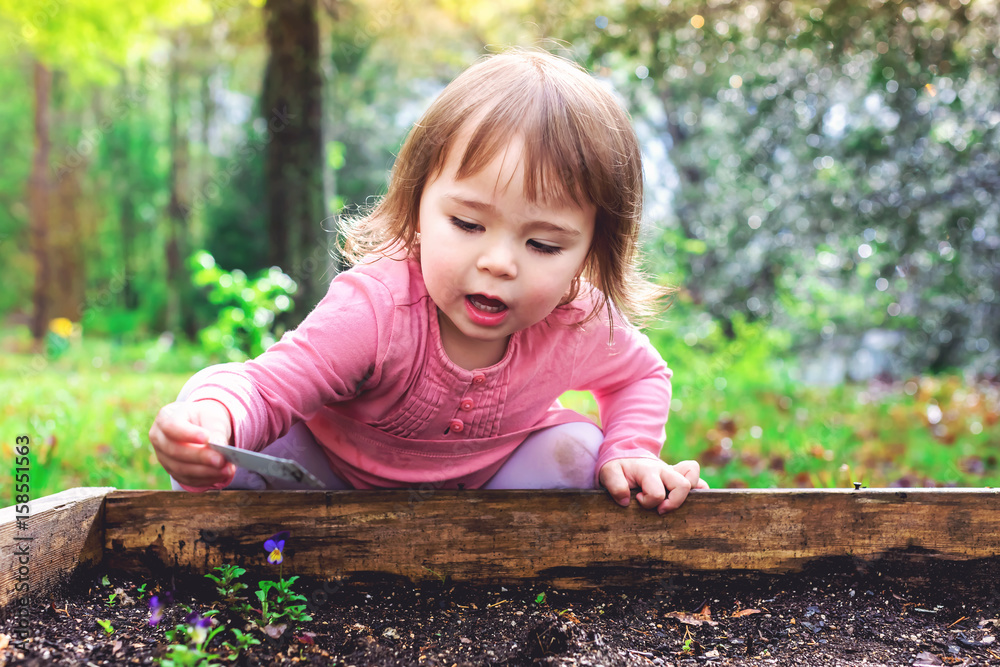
(652,490)
(691,470)
(679,486)
(188,463)
(203,477)
(177,425)
(181,441)
(187,453)
(194,474)
(614,481)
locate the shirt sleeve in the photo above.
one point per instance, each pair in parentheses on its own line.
(631,384)
(332,356)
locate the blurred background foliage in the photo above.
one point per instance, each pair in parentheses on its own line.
(821,187)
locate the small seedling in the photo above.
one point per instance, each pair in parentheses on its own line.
(442,577)
(282,607)
(106,626)
(111,598)
(105,581)
(141,591)
(244,640)
(540,599)
(229,589)
(189,643)
(688,646)
(225,581)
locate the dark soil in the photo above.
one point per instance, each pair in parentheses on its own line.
(836,614)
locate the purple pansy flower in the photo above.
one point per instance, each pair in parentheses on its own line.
(199,626)
(275,546)
(157,607)
(155,610)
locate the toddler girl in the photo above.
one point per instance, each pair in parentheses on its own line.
(498,272)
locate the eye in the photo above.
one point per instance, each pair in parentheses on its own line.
(544,248)
(465,226)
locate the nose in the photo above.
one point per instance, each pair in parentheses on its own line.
(498,259)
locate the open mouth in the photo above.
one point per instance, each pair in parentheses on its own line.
(486,304)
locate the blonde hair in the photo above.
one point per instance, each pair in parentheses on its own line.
(579,144)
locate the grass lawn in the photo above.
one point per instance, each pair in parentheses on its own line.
(86,429)
(87,415)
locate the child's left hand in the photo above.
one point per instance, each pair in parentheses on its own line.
(660,485)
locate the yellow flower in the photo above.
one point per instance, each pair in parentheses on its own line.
(60,326)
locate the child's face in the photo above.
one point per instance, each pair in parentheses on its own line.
(493,262)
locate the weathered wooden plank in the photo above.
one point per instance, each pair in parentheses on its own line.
(571,538)
(62,532)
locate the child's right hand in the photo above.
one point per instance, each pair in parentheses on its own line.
(179,436)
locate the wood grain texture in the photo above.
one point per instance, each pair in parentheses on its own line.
(570,538)
(66,532)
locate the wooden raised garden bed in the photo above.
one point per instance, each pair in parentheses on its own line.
(578,545)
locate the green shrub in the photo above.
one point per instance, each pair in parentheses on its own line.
(246,323)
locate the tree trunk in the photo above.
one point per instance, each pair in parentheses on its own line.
(66,240)
(39,188)
(293,162)
(67,209)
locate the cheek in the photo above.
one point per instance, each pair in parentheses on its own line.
(438,270)
(548,292)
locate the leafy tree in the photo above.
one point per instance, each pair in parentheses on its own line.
(87,40)
(831,163)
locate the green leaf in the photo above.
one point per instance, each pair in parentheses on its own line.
(695,247)
(335,152)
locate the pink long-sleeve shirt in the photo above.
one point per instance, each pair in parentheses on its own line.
(367,373)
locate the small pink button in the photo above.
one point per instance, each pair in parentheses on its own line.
(478,378)
(456,426)
(467,404)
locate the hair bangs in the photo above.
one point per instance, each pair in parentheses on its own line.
(553,154)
